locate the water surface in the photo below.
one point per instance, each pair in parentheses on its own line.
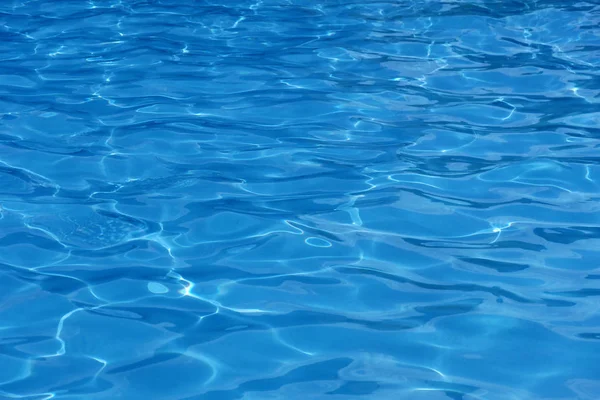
(293,199)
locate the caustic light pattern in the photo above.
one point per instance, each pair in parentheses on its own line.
(294,199)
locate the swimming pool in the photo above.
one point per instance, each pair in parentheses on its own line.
(293,199)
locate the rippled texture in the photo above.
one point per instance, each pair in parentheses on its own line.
(286,199)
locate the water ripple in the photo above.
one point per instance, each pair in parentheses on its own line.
(267,199)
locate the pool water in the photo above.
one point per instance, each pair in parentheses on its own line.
(294,199)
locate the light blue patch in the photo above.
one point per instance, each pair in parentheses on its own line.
(157,288)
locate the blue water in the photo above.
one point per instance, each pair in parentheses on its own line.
(293,199)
